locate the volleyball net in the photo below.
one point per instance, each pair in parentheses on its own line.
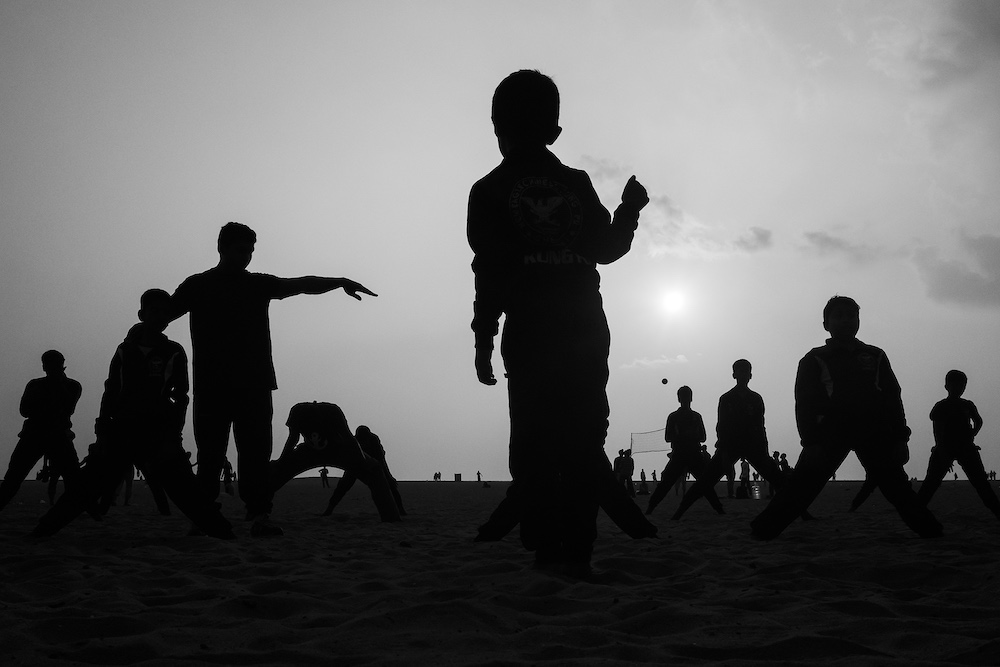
(649,441)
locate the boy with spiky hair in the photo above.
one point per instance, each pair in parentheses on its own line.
(538,231)
(140,422)
(847,398)
(956,424)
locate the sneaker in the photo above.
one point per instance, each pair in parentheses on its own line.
(263,527)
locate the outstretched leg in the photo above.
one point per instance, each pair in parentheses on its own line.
(972,464)
(815,466)
(887,471)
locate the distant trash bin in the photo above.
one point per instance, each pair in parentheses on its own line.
(458,477)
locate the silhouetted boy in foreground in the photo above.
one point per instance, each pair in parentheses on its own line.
(233,368)
(538,231)
(956,423)
(685,431)
(142,415)
(327,441)
(847,398)
(46,405)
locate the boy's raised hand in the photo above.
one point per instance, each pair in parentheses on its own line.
(634,194)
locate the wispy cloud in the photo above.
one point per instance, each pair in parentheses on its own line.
(658,362)
(667,229)
(825,244)
(975,283)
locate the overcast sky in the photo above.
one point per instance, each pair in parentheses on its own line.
(792,151)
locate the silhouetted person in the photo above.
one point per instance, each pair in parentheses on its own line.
(228,477)
(371,445)
(326,440)
(46,405)
(685,431)
(744,491)
(643,486)
(538,231)
(742,435)
(140,422)
(233,369)
(956,422)
(324,477)
(629,470)
(847,397)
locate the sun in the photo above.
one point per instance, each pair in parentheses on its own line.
(673,302)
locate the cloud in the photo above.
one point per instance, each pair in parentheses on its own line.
(659,362)
(667,229)
(954,281)
(828,245)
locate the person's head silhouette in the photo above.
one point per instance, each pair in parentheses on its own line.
(53,362)
(685,395)
(154,309)
(526,111)
(742,371)
(842,318)
(955,382)
(236,244)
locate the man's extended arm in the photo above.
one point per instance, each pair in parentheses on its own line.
(318,285)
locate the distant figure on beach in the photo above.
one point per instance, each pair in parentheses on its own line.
(371,445)
(538,231)
(685,431)
(318,435)
(956,422)
(233,369)
(744,491)
(741,435)
(629,472)
(140,422)
(51,478)
(324,477)
(228,477)
(783,464)
(47,404)
(479,476)
(776,457)
(643,487)
(847,397)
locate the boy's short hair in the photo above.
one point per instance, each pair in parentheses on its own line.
(152,296)
(741,365)
(53,359)
(685,391)
(526,107)
(235,232)
(838,303)
(956,379)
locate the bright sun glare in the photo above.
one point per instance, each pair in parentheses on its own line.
(673,302)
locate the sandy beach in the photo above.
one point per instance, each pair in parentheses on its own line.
(845,589)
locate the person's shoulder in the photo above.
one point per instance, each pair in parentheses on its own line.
(490,180)
(200,277)
(173,346)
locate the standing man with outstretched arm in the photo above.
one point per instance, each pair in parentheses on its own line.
(233,369)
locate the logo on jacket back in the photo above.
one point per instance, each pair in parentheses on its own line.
(545,212)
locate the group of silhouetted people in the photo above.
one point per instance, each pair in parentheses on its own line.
(538,231)
(144,407)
